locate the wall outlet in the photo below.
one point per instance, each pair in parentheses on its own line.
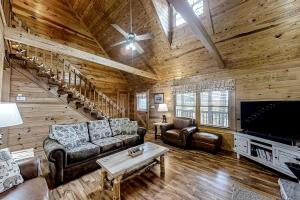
(20,97)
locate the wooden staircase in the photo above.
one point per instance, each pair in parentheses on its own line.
(64,80)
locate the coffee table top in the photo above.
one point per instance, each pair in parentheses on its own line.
(121,163)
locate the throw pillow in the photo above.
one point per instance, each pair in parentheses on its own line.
(132,128)
(9,171)
(119,126)
(99,129)
(80,129)
(82,132)
(65,135)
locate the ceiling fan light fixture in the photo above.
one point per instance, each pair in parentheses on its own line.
(131,47)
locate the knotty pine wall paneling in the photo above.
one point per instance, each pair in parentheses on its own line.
(38,111)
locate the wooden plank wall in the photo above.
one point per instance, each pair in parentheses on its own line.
(40,110)
(272,82)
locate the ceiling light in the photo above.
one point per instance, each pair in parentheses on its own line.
(131,46)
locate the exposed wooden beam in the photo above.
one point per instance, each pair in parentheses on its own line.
(13,34)
(187,13)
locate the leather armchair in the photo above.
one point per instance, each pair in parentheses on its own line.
(179,132)
(34,186)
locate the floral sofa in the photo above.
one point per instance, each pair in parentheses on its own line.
(72,149)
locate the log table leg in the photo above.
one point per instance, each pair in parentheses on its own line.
(117,188)
(102,179)
(162,165)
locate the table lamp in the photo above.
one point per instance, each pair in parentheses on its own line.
(163,108)
(9,116)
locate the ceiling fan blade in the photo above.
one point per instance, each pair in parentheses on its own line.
(147,36)
(119,43)
(120,30)
(138,48)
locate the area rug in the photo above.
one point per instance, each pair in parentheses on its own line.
(240,193)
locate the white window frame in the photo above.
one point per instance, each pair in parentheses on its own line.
(141,95)
(210,112)
(186,106)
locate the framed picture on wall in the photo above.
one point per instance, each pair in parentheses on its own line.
(158,98)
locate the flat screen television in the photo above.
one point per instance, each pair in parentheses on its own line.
(275,120)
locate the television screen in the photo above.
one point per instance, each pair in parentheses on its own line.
(272,118)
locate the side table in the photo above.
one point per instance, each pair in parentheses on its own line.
(23,154)
(157,126)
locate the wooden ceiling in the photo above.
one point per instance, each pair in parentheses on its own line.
(53,19)
(247,33)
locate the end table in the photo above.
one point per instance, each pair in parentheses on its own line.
(156,125)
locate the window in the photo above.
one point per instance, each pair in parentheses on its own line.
(141,102)
(214,108)
(197,6)
(186,105)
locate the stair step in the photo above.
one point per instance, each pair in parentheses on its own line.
(78,104)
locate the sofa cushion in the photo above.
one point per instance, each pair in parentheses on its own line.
(173,133)
(80,129)
(131,128)
(99,129)
(129,140)
(108,144)
(82,152)
(9,171)
(119,126)
(65,135)
(181,122)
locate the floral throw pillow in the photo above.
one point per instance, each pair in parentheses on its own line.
(9,171)
(80,129)
(99,129)
(132,128)
(119,126)
(65,135)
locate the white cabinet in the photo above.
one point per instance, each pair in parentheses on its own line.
(282,156)
(241,144)
(247,145)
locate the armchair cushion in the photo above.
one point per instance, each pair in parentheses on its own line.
(129,139)
(82,152)
(108,144)
(99,129)
(119,126)
(173,134)
(35,189)
(9,171)
(182,122)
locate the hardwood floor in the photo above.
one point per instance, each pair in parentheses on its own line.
(190,174)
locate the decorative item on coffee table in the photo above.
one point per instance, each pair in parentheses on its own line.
(135,151)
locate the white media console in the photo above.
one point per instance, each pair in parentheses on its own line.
(267,152)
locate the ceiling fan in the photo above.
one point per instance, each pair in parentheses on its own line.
(131,38)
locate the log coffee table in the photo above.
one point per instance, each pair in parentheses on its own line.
(120,166)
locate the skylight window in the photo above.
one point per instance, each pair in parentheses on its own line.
(197,6)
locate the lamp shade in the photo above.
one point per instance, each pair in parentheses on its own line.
(9,115)
(162,108)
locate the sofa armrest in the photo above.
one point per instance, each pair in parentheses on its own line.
(30,168)
(141,132)
(166,127)
(55,152)
(186,132)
